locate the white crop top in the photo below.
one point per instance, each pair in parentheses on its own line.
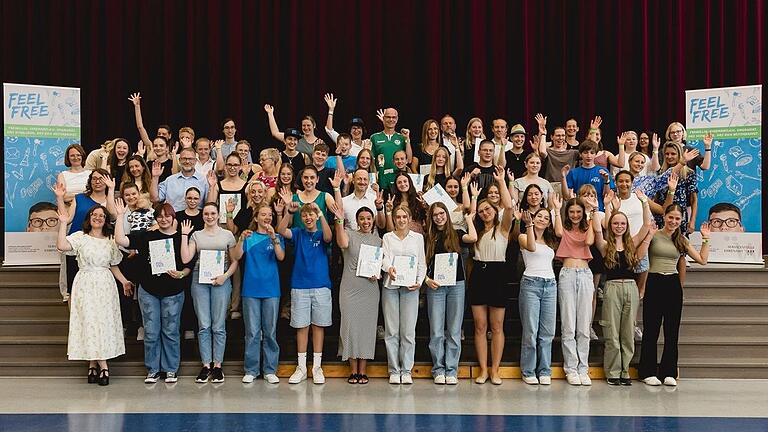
(539,263)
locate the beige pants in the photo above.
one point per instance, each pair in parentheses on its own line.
(620,304)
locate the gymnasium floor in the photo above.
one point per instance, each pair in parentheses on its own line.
(67,404)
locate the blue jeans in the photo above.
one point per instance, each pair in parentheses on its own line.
(401,308)
(575,294)
(211,306)
(260,317)
(161,316)
(538,310)
(446,314)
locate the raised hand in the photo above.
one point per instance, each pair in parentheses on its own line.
(379,201)
(157,168)
(380,114)
(622,139)
(640,195)
(285,194)
(465,179)
(140,149)
(186,227)
(119,207)
(655,142)
(211,178)
(218,143)
(59,189)
(610,197)
(279,206)
(604,174)
(673,180)
(565,170)
(526,218)
(652,227)
(337,210)
(269,109)
(292,206)
(596,122)
(498,174)
(708,138)
(542,122)
(135,98)
(406,133)
(555,202)
(510,175)
(337,178)
(108,182)
(63,216)
(474,190)
(390,203)
(330,101)
(705,231)
(470,217)
(270,231)
(690,155)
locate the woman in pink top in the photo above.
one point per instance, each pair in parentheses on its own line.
(575,290)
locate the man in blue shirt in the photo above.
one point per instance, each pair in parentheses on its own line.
(587,173)
(173,189)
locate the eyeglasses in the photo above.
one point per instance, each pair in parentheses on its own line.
(730,222)
(37,222)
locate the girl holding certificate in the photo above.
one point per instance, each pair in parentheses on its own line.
(405,265)
(538,296)
(359,293)
(489,293)
(211,297)
(161,294)
(261,249)
(445,296)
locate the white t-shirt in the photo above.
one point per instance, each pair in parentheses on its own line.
(633,208)
(352,204)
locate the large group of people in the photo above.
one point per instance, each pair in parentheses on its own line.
(386,223)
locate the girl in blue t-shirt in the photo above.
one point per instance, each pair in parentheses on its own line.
(260,248)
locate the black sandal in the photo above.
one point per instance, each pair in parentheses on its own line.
(104,377)
(353,378)
(362,379)
(93,375)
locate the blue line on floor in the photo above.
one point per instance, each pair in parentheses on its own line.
(235,422)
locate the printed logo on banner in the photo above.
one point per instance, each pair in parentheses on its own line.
(40,122)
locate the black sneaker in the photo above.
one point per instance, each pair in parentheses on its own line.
(202,377)
(625,381)
(152,378)
(218,375)
(614,381)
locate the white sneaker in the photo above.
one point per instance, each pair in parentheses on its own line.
(152,378)
(638,334)
(532,380)
(380,333)
(140,334)
(451,380)
(652,381)
(171,377)
(271,378)
(406,379)
(298,376)
(394,379)
(585,380)
(669,381)
(248,378)
(189,335)
(440,379)
(318,377)
(573,379)
(592,334)
(545,380)
(235,315)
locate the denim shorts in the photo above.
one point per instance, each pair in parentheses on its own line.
(643,265)
(310,306)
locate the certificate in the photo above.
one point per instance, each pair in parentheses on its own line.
(424,169)
(369,261)
(446,265)
(438,194)
(418,181)
(211,265)
(223,199)
(162,256)
(405,270)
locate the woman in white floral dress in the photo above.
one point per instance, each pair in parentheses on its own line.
(95,327)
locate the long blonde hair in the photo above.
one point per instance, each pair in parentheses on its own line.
(611,255)
(430,180)
(469,142)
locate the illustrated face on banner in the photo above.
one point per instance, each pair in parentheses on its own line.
(726,220)
(44,220)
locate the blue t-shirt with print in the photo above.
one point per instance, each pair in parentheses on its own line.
(580,176)
(310,266)
(349,162)
(261,279)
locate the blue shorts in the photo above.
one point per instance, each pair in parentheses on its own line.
(643,265)
(310,306)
